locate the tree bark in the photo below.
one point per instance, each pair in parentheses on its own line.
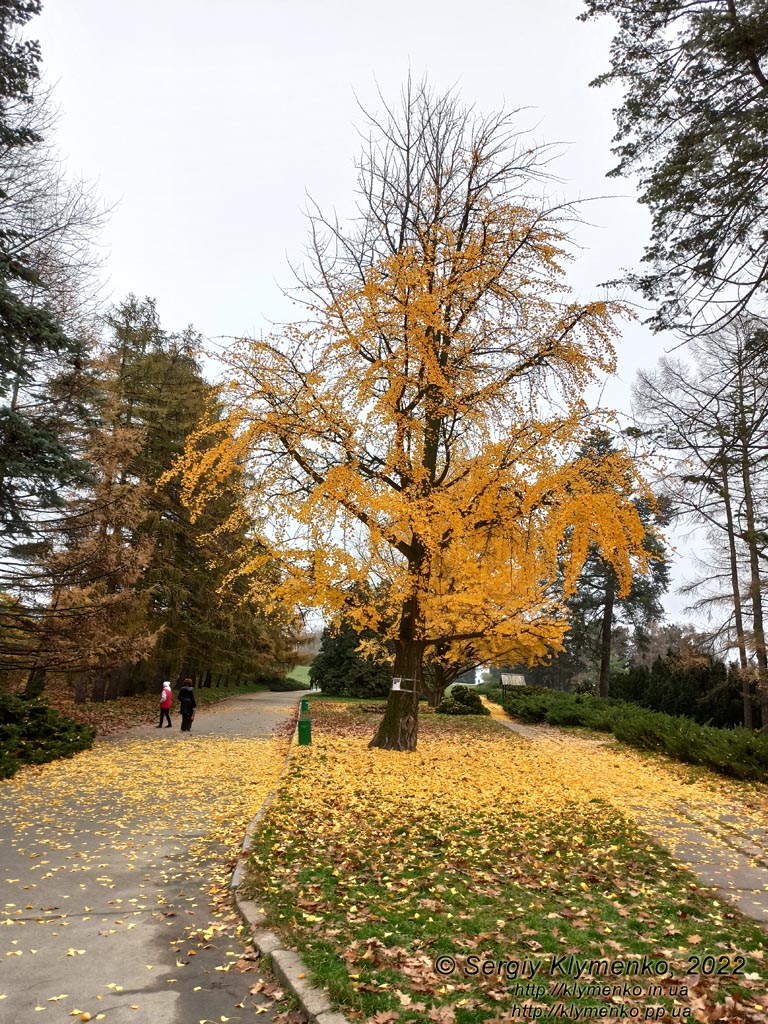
(605,639)
(436,687)
(81,688)
(755,587)
(737,612)
(399,727)
(35,683)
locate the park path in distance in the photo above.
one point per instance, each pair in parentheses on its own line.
(114,869)
(719,832)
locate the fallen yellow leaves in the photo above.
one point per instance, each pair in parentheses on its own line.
(486,842)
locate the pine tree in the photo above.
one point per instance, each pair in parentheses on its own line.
(694,126)
(204,621)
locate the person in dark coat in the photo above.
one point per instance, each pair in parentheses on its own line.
(187,705)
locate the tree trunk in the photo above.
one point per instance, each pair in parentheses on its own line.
(113,683)
(35,683)
(605,639)
(755,588)
(400,725)
(737,612)
(398,729)
(437,685)
(81,688)
(99,686)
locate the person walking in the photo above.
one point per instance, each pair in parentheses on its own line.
(187,705)
(165,705)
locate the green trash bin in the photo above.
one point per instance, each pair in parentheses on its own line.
(305,732)
(305,705)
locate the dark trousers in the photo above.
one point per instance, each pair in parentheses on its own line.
(165,713)
(186,720)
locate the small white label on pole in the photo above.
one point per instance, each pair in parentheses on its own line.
(396,682)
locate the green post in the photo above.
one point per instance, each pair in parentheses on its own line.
(305,732)
(304,705)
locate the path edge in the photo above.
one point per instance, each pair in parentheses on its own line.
(287,965)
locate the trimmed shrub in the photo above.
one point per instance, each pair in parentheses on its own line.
(705,690)
(462,701)
(736,752)
(31,732)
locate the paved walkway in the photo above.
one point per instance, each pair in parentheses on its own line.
(106,865)
(724,843)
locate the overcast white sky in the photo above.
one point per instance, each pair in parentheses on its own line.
(208,123)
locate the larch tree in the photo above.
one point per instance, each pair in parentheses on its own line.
(419,425)
(710,419)
(164,395)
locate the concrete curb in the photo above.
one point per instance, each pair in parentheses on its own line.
(287,965)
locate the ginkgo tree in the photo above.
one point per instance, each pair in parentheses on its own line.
(421,424)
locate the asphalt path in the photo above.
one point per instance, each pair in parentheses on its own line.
(99,897)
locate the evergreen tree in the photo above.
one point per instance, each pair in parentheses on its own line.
(340,669)
(41,366)
(694,126)
(96,617)
(597,604)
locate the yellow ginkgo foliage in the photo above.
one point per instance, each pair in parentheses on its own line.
(421,426)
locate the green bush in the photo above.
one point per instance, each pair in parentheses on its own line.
(736,752)
(490,689)
(704,689)
(462,701)
(31,732)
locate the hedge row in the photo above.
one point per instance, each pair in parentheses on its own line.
(31,732)
(736,752)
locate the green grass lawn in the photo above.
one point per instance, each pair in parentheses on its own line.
(300,673)
(428,886)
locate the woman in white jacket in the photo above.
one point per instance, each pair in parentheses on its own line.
(165,704)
